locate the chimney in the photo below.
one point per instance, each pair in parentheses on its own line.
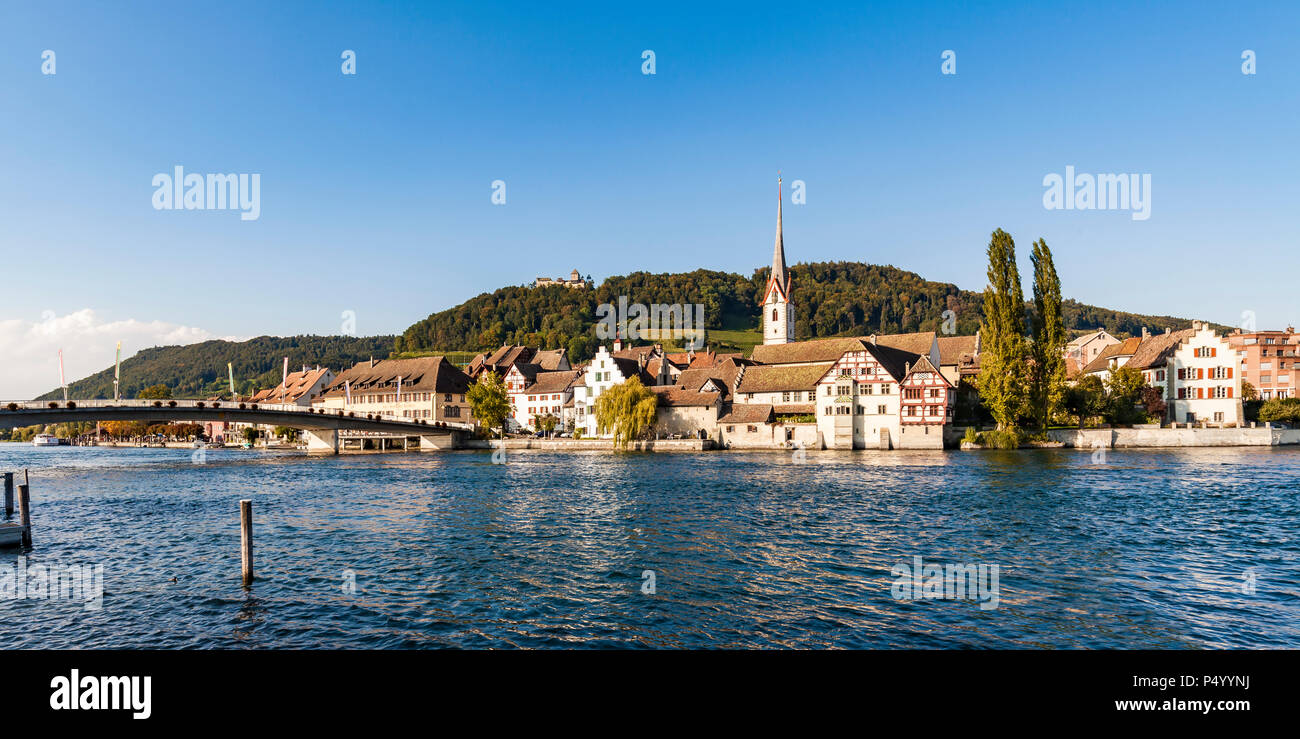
(618,344)
(977,342)
(1145,334)
(304,369)
(372,361)
(1166,330)
(907,367)
(872,338)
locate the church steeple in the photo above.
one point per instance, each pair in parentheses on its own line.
(778,314)
(779,274)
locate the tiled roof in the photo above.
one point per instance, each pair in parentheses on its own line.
(1126,348)
(549,360)
(816,350)
(433,374)
(922,364)
(775,378)
(296,385)
(1157,349)
(554,382)
(951,348)
(675,396)
(917,343)
(795,409)
(747,413)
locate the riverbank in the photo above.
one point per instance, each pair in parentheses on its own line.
(578,445)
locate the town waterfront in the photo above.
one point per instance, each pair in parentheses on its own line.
(1178,548)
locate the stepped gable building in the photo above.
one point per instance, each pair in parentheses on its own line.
(778,311)
(427,387)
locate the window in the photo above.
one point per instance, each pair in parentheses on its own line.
(880,409)
(773,316)
(785,397)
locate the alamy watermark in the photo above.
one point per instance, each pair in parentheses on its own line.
(657,321)
(26,581)
(1084,191)
(180,191)
(919,580)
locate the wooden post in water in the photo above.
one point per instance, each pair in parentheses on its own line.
(9,494)
(246,539)
(25,510)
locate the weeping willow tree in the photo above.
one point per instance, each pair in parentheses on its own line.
(628,410)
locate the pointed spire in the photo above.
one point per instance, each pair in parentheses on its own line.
(778,253)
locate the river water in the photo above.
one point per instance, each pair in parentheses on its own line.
(1165,549)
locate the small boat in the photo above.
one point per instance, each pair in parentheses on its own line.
(10,534)
(45,440)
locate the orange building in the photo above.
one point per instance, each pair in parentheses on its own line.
(1268,361)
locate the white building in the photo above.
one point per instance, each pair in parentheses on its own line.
(1206,386)
(603,372)
(535,394)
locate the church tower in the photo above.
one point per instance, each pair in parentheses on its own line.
(778,313)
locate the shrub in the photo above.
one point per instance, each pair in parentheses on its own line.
(157,404)
(1008,439)
(200,404)
(972,436)
(171,404)
(53,404)
(72,404)
(12,406)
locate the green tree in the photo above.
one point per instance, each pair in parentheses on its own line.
(489,402)
(285,432)
(1285,410)
(1004,366)
(155,392)
(628,410)
(1123,395)
(1248,391)
(1049,338)
(1086,398)
(547,423)
(251,433)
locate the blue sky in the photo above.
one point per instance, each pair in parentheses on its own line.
(375,188)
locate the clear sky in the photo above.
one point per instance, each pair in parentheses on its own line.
(376,187)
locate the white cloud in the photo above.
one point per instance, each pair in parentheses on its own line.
(30,349)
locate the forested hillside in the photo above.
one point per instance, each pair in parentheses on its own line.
(831,299)
(199,370)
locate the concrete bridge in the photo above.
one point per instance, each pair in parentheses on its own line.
(320,426)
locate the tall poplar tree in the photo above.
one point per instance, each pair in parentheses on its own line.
(1004,366)
(1049,338)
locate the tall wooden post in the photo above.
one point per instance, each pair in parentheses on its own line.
(25,511)
(246,539)
(9,494)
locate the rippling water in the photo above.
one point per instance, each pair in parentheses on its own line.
(1150,549)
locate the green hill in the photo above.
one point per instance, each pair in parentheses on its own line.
(199,370)
(831,299)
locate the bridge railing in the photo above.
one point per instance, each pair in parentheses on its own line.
(42,405)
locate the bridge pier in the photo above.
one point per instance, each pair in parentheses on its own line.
(322,441)
(433,442)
